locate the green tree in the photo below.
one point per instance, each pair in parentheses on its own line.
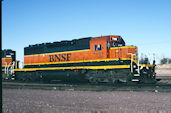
(164,61)
(144,61)
(169,61)
(141,61)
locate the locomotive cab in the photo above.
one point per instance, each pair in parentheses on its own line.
(116,42)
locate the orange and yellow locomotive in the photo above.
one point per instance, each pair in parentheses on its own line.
(93,59)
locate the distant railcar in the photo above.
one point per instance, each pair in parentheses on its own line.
(8,63)
(94,59)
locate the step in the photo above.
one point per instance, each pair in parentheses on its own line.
(136,75)
(135,80)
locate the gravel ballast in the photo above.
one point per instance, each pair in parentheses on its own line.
(54,101)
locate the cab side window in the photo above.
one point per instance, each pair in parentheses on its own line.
(97,47)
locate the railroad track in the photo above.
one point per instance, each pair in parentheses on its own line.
(158,87)
(166,77)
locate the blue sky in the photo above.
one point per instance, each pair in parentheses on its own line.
(144,23)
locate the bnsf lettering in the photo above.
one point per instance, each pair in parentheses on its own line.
(60,57)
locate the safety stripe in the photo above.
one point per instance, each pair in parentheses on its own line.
(147,65)
(80,67)
(7,58)
(82,61)
(58,52)
(123,47)
(6,65)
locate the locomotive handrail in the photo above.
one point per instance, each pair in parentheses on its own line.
(12,67)
(138,63)
(6,67)
(132,56)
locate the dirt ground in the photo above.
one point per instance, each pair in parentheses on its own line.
(53,101)
(163,70)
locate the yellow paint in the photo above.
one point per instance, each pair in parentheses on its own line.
(7,58)
(80,67)
(97,60)
(147,65)
(135,58)
(6,65)
(123,47)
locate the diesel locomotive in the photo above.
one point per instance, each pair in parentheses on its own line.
(104,59)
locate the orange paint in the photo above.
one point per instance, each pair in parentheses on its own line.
(90,54)
(6,61)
